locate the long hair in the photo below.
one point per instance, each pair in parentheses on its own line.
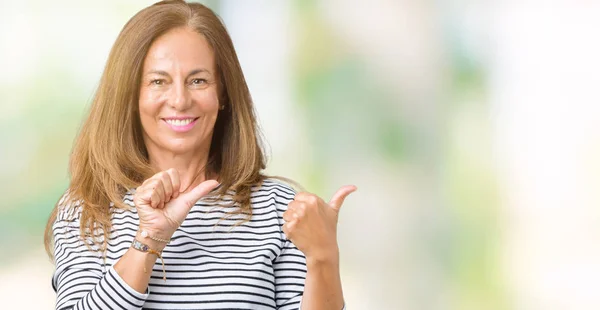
(109,156)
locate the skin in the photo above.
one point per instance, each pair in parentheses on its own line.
(311,224)
(179,79)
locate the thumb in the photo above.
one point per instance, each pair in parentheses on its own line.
(339,196)
(200,190)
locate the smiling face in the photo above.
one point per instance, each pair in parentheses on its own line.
(179,99)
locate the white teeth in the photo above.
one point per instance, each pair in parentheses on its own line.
(179,122)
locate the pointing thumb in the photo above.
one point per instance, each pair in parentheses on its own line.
(339,196)
(200,190)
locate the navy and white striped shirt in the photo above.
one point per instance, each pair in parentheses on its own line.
(211,262)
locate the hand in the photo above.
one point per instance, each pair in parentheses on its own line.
(162,207)
(311,224)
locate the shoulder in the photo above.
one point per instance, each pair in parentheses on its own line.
(273,192)
(66,226)
(276,187)
(68,209)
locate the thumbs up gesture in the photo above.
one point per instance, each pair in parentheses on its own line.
(162,207)
(311,223)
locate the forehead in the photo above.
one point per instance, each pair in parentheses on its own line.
(180,48)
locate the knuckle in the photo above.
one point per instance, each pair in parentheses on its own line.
(151,183)
(161,175)
(294,205)
(288,229)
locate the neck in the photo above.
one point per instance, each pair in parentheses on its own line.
(191,167)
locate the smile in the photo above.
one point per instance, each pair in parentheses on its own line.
(180,125)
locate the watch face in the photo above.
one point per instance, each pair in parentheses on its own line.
(140,246)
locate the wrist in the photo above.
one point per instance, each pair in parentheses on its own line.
(149,253)
(325,258)
(150,242)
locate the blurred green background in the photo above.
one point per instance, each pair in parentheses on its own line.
(471,129)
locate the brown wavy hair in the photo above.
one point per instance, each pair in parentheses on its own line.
(109,156)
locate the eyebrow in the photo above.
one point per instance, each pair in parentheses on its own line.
(164,73)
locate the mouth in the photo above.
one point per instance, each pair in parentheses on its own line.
(181,124)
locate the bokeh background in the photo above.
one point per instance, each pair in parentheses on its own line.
(471,128)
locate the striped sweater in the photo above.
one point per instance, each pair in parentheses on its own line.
(211,262)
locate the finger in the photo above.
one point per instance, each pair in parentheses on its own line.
(148,194)
(159,189)
(289,215)
(288,229)
(297,209)
(307,197)
(154,198)
(293,205)
(143,196)
(200,190)
(174,175)
(165,179)
(285,229)
(339,196)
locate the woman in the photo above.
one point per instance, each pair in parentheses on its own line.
(167,207)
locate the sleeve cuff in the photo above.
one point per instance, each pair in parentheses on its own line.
(113,277)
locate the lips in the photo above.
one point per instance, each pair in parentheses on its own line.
(181,124)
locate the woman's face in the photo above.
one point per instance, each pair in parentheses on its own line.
(178,94)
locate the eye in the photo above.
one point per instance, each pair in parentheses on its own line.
(198,81)
(157,82)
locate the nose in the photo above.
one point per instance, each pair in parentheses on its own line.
(179,99)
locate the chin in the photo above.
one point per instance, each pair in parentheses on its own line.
(179,148)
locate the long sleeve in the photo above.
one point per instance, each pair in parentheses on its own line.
(290,273)
(290,265)
(80,280)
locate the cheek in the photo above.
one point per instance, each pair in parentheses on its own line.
(148,104)
(208,101)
